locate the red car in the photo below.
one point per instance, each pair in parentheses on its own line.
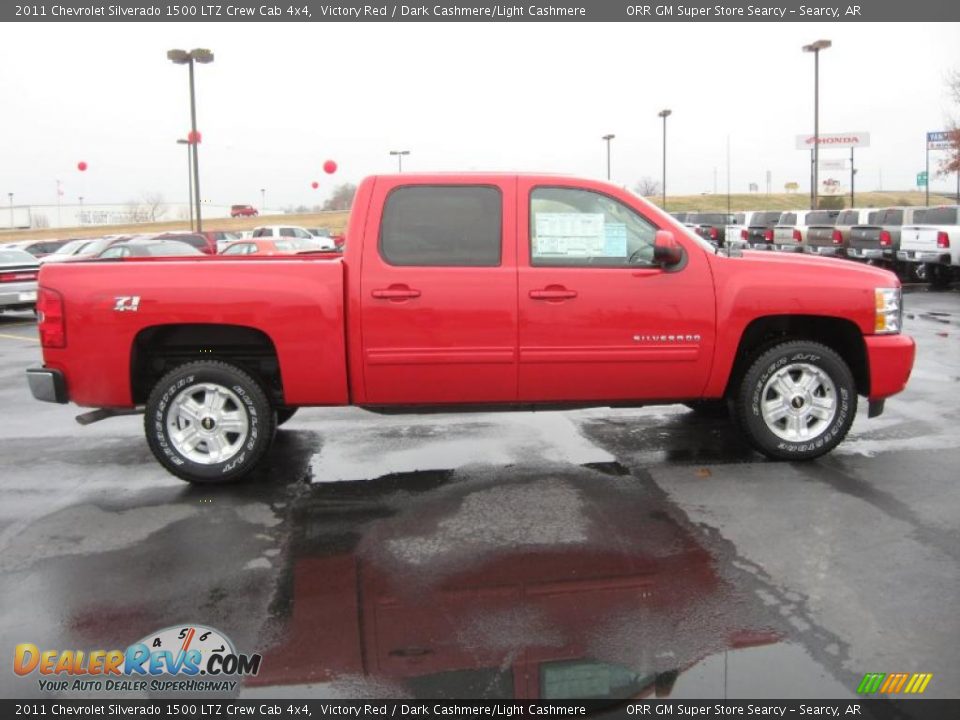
(243,211)
(474,291)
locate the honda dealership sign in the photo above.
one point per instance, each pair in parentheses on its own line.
(835,140)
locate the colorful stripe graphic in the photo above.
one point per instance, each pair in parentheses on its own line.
(894,683)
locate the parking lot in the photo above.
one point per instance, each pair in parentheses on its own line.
(598,552)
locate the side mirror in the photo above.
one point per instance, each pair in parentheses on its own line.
(666,250)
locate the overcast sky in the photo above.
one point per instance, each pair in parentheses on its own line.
(282,98)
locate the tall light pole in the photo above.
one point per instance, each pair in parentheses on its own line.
(263,200)
(815,48)
(665,113)
(399,154)
(189,176)
(182,57)
(608,138)
(10,196)
(59,195)
(81,209)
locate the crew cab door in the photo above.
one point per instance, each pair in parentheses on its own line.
(599,320)
(438,293)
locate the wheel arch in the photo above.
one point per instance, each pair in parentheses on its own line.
(839,334)
(159,348)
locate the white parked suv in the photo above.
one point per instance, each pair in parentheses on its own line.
(292,231)
(734,235)
(933,241)
(791,231)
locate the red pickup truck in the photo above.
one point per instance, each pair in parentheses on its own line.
(467,292)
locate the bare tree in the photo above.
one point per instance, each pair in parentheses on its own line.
(342,197)
(647,187)
(153,206)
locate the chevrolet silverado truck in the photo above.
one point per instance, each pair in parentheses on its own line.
(465,293)
(933,245)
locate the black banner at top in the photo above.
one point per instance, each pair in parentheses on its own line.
(480,11)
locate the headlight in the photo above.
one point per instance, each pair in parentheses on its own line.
(889,311)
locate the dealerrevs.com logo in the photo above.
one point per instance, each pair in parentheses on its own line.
(183,658)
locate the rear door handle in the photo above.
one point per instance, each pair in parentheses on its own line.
(396,292)
(553,292)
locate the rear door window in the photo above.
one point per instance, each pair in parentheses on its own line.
(442,225)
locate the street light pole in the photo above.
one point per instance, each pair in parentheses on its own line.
(10,196)
(608,138)
(81,209)
(665,113)
(399,154)
(182,57)
(815,48)
(263,200)
(189,177)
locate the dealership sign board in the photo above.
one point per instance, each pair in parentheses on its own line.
(939,140)
(835,140)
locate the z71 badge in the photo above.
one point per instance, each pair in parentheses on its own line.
(127,303)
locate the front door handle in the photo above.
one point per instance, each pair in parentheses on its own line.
(553,292)
(396,292)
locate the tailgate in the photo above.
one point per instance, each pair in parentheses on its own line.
(820,235)
(918,237)
(783,235)
(865,236)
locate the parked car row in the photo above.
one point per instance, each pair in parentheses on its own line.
(919,243)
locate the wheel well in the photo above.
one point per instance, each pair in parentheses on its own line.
(842,336)
(159,349)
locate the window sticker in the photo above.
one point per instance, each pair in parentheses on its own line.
(570,234)
(615,240)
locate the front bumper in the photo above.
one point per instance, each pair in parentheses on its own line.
(18,294)
(924,256)
(890,360)
(47,385)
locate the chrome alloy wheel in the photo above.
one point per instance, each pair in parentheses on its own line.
(799,402)
(207,423)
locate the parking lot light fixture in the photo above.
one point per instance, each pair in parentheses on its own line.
(10,197)
(608,138)
(815,48)
(665,113)
(182,57)
(263,200)
(399,154)
(183,141)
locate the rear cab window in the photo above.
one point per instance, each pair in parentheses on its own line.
(937,216)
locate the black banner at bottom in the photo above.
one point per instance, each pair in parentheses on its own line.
(448,709)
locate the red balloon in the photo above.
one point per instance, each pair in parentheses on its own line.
(314,184)
(329,167)
(194,137)
(82,166)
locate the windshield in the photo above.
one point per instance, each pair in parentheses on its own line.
(71,247)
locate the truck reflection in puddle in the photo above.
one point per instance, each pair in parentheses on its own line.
(618,609)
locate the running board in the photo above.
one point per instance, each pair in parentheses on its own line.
(88,418)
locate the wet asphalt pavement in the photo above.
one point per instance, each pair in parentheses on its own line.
(593,553)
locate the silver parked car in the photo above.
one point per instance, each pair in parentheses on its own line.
(18,279)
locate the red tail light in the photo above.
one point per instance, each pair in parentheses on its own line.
(53,329)
(885,240)
(797,236)
(339,240)
(744,235)
(837,237)
(943,240)
(768,235)
(714,234)
(18,276)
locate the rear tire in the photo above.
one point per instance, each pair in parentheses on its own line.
(208,422)
(797,401)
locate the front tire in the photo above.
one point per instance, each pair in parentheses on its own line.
(208,422)
(797,401)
